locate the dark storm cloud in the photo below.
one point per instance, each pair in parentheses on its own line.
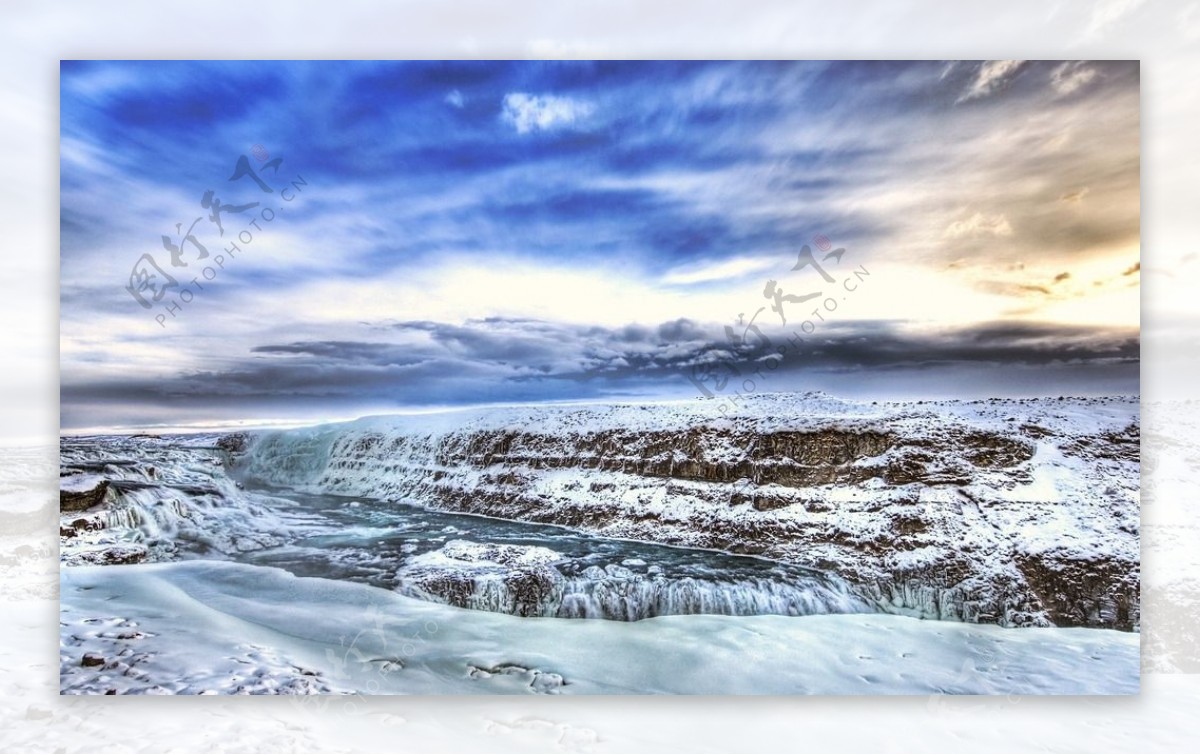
(501,359)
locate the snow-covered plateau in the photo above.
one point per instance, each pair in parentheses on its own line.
(798,542)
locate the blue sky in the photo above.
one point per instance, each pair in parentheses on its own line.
(477,232)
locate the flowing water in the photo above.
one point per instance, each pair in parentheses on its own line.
(176,501)
(536,570)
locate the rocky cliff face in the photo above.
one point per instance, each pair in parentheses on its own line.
(1018,512)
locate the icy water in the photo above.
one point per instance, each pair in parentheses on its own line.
(174,498)
(534,570)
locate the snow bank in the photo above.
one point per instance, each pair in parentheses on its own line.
(216,627)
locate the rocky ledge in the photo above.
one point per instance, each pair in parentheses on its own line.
(81,492)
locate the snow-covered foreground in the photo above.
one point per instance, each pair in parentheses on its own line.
(219,627)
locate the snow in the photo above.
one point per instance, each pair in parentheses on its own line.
(171,497)
(459,552)
(1068,502)
(866,564)
(80,483)
(219,627)
(380,452)
(1161,719)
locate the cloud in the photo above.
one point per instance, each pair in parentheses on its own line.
(455,99)
(527,113)
(717,271)
(1072,76)
(992,76)
(1016,289)
(979,225)
(506,359)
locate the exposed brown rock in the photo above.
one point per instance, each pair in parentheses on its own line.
(1079,593)
(82,500)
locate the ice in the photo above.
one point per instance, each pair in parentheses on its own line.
(168,498)
(221,627)
(524,581)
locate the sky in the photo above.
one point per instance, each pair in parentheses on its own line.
(269,242)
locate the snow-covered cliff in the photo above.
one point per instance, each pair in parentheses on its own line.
(1022,512)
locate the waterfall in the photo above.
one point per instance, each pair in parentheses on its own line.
(618,594)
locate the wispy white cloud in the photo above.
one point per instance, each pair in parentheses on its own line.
(527,112)
(991,77)
(455,99)
(727,270)
(1072,76)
